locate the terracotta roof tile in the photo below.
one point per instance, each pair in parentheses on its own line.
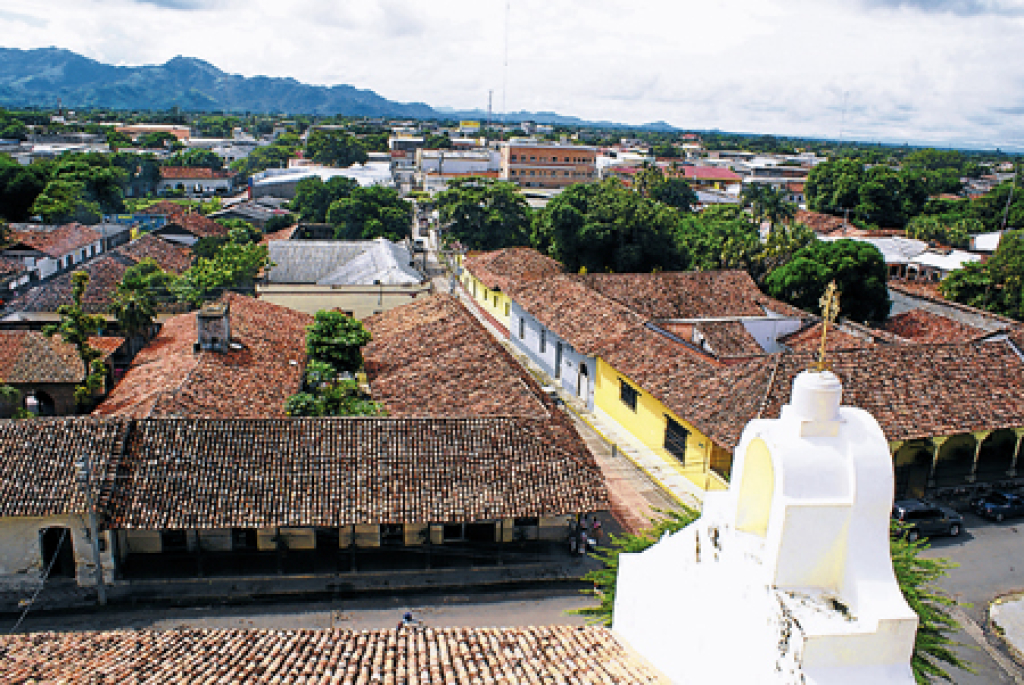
(105,272)
(37,474)
(727,339)
(928,291)
(197,224)
(9,266)
(173,173)
(194,473)
(576,313)
(689,294)
(809,339)
(283,234)
(168,378)
(163,207)
(31,357)
(510,267)
(917,391)
(919,325)
(449,656)
(56,241)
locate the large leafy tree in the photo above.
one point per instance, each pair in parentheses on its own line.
(768,204)
(336,339)
(368,213)
(19,188)
(721,237)
(335,148)
(877,195)
(602,227)
(196,157)
(484,214)
(233,267)
(313,197)
(857,268)
(997,285)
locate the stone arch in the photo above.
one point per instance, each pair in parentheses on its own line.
(955,462)
(912,464)
(996,456)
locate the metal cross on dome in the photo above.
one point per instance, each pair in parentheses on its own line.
(829,313)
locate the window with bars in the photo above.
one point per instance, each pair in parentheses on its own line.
(628,394)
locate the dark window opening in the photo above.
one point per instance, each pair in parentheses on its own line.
(58,552)
(628,394)
(675,439)
(327,538)
(558,360)
(392,534)
(243,539)
(543,340)
(174,541)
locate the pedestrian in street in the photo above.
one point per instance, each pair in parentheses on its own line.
(408,621)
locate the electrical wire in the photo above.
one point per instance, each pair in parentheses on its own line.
(46,576)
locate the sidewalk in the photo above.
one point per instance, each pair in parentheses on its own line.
(1006,614)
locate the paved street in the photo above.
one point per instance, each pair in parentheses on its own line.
(991,562)
(524,608)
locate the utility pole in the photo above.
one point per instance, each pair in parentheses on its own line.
(83,474)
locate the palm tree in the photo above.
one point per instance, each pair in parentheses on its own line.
(135,312)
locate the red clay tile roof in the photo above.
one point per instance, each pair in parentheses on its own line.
(836,226)
(10,266)
(105,272)
(190,473)
(163,207)
(689,294)
(168,378)
(37,473)
(433,358)
(727,339)
(929,292)
(923,326)
(513,266)
(809,339)
(918,391)
(196,224)
(283,234)
(31,357)
(172,257)
(579,315)
(449,656)
(173,173)
(58,241)
(708,173)
(108,345)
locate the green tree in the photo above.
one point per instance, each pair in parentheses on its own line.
(135,312)
(75,328)
(779,248)
(19,188)
(278,222)
(233,267)
(369,213)
(13,130)
(857,268)
(337,398)
(768,203)
(148,278)
(720,237)
(675,192)
(313,197)
(117,139)
(606,226)
(196,157)
(63,201)
(335,148)
(997,285)
(158,140)
(484,214)
(336,339)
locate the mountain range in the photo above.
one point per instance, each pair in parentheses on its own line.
(40,77)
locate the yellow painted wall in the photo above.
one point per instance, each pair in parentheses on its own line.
(494,302)
(648,425)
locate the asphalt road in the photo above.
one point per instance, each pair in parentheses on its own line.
(990,559)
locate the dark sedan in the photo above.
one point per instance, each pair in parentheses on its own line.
(999,505)
(918,518)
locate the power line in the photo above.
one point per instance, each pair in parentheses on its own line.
(46,576)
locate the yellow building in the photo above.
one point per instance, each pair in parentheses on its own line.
(487,277)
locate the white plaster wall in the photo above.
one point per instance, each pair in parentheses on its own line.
(571,359)
(21,558)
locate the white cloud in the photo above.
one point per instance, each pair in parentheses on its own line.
(939,71)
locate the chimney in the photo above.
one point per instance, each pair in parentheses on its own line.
(214,326)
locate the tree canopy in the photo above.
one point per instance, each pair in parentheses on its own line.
(878,195)
(336,339)
(484,214)
(997,285)
(335,148)
(606,226)
(196,157)
(857,268)
(369,213)
(313,197)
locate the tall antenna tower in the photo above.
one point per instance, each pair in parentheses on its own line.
(504,73)
(490,97)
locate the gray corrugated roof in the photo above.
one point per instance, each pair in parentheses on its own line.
(384,262)
(340,262)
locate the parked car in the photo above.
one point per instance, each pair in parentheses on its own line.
(919,518)
(999,505)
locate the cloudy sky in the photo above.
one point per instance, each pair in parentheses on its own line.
(946,72)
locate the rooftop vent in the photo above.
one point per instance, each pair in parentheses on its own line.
(214,326)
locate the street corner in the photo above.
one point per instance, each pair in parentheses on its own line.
(1006,619)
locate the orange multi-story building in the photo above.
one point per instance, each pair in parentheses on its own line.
(547,165)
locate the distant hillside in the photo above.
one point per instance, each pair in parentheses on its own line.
(40,77)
